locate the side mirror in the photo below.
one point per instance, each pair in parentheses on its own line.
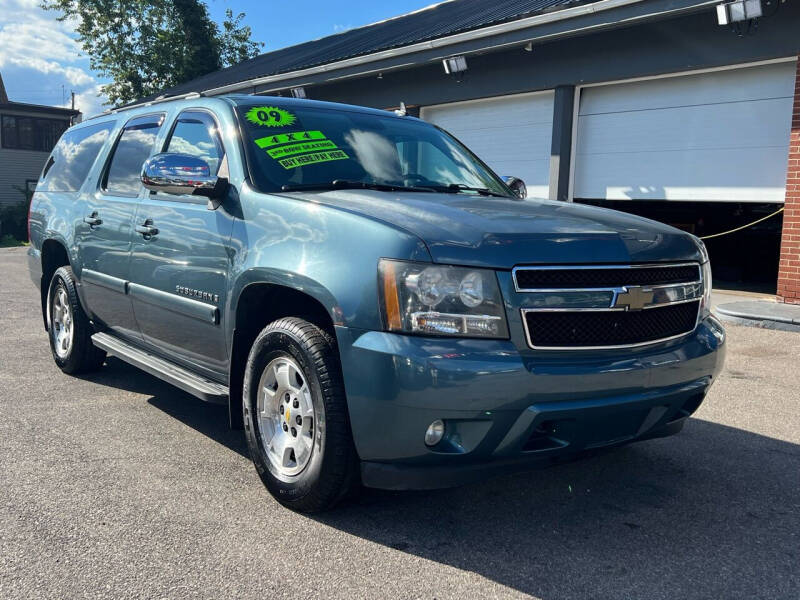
(180,174)
(517,186)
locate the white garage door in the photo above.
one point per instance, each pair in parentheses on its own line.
(721,136)
(510,134)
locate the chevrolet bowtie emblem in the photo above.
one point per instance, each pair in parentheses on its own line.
(634,298)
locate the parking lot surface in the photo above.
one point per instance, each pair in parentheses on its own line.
(116,485)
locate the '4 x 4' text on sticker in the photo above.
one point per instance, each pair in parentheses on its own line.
(295,143)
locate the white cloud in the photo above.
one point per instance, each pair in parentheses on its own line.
(90,101)
(39,39)
(39,55)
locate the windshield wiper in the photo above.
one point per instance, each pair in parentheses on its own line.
(455,188)
(460,187)
(344,184)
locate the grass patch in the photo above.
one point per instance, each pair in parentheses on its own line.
(9,241)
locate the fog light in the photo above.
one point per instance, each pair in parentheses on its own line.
(435,433)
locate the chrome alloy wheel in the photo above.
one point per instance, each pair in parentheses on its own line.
(61,327)
(286,416)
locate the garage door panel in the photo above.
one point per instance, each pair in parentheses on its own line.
(737,177)
(516,142)
(720,136)
(511,134)
(492,112)
(734,85)
(754,124)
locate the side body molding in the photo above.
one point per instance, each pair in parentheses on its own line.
(189,307)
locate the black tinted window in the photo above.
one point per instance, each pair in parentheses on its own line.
(196,134)
(135,146)
(73,157)
(31,133)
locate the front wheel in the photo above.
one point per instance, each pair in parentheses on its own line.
(295,416)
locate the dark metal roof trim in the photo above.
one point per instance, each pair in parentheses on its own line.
(432,25)
(23,107)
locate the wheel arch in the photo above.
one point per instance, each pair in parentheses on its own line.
(53,255)
(259,303)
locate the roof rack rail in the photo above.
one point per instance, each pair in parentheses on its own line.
(157,100)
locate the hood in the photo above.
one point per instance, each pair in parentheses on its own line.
(501,233)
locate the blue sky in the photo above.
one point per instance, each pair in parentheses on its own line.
(41,63)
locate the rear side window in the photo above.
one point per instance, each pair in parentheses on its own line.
(135,145)
(73,157)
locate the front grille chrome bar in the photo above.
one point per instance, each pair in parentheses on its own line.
(617,298)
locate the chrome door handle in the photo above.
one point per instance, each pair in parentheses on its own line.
(147,229)
(93,220)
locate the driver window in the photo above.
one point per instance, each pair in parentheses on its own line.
(196,134)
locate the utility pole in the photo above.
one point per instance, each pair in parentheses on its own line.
(72,93)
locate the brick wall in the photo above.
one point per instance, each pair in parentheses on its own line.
(789,270)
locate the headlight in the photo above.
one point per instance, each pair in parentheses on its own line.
(705,303)
(440,300)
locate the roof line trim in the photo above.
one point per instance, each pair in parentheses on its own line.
(560,15)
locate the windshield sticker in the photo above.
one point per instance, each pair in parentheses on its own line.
(300,148)
(310,159)
(285,138)
(270,116)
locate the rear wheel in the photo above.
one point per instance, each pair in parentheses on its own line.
(295,416)
(69,327)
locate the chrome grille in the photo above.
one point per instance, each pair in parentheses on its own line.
(599,306)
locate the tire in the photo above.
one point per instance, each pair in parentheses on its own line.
(308,466)
(69,329)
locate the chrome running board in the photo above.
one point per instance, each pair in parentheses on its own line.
(184,379)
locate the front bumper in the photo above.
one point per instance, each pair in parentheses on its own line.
(508,409)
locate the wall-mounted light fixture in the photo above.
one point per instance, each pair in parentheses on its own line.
(738,10)
(298,92)
(455,65)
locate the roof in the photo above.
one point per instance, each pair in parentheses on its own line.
(39,108)
(434,22)
(295,103)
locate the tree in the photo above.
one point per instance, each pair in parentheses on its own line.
(146,46)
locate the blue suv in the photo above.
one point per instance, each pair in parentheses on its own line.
(373,304)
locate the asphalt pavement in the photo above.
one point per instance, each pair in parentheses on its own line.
(116,485)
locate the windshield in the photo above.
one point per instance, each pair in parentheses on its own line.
(319,148)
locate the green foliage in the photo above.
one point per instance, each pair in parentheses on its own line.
(9,241)
(146,46)
(14,219)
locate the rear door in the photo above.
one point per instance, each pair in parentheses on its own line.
(107,230)
(179,274)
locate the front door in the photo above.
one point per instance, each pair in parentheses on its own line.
(179,271)
(106,232)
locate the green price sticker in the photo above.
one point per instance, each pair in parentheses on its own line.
(270,116)
(285,138)
(300,148)
(310,159)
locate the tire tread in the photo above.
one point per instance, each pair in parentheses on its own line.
(85,356)
(340,476)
